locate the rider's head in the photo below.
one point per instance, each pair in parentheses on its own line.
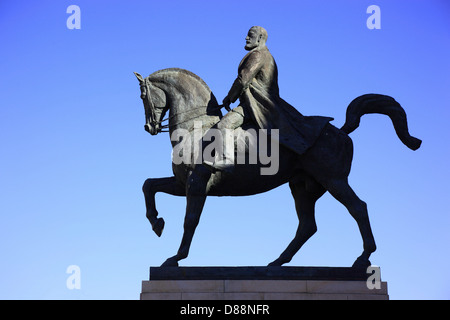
(256,38)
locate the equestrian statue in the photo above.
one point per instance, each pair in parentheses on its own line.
(313,156)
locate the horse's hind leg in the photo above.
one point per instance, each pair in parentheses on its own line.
(341,190)
(305,200)
(150,188)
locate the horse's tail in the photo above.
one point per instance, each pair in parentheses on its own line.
(377,103)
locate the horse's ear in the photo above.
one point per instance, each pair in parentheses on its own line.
(139,77)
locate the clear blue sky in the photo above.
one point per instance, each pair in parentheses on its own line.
(74,153)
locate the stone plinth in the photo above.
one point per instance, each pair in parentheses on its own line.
(260,283)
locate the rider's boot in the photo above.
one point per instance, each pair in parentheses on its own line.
(221,165)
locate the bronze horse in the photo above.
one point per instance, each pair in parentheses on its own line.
(324,167)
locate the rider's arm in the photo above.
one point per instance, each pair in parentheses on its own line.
(247,72)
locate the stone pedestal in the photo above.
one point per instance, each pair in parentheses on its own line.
(260,283)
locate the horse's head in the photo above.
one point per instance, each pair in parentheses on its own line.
(155,105)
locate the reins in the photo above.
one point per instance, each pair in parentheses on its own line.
(165,127)
(169,125)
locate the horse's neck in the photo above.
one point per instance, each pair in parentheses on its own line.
(188,111)
(186,116)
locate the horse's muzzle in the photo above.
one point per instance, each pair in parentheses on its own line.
(151,129)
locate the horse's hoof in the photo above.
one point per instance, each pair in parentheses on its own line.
(171,262)
(361,263)
(276,263)
(158,226)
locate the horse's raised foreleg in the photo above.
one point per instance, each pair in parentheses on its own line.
(196,197)
(305,201)
(150,188)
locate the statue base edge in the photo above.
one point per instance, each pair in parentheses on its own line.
(261,283)
(258,273)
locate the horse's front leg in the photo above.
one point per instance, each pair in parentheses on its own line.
(196,197)
(150,188)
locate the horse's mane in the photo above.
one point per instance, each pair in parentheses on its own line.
(156,76)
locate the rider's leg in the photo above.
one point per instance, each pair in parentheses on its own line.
(224,159)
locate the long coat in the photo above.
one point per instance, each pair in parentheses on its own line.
(257,89)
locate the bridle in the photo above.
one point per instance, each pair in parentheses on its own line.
(152,108)
(166,127)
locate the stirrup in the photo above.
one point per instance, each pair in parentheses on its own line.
(219,166)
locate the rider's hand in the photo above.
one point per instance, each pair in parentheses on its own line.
(226,103)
